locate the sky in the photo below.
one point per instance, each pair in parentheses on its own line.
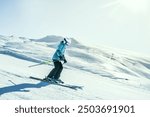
(121,24)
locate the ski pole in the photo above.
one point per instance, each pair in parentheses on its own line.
(45,62)
(12,82)
(35,64)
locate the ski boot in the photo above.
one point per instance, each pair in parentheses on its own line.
(59,81)
(48,79)
(53,80)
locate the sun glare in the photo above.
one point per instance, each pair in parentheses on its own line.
(135,5)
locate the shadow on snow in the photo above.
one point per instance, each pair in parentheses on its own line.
(24,87)
(21,87)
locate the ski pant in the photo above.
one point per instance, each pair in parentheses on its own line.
(56,71)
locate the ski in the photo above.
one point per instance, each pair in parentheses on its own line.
(74,87)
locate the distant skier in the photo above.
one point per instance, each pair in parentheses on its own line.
(58,58)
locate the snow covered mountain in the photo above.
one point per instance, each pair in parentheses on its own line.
(104,72)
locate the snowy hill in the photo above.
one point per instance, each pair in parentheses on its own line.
(104,73)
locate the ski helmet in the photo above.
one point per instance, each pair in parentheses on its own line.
(67,41)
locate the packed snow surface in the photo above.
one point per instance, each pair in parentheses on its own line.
(103,72)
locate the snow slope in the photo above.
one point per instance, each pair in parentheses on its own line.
(104,72)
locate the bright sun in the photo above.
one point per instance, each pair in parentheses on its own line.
(135,5)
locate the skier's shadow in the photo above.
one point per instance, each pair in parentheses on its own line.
(24,87)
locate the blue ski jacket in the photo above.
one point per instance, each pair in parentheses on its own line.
(59,53)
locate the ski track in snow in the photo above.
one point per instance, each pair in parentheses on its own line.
(105,73)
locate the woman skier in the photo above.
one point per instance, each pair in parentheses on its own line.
(57,58)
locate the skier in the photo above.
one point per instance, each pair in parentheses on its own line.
(57,58)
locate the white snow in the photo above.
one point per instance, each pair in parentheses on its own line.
(104,72)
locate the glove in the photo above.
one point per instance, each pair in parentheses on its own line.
(65,61)
(62,57)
